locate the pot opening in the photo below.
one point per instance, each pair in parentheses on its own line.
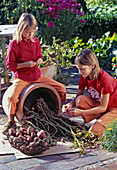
(48,95)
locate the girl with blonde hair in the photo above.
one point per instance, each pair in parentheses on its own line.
(101,103)
(23,57)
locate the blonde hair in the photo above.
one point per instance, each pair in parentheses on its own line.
(87,57)
(26,20)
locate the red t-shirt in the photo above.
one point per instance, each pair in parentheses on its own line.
(104,84)
(21,52)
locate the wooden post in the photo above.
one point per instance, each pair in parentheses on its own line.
(0,91)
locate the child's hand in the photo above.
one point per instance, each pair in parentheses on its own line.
(66,107)
(30,64)
(39,61)
(73,112)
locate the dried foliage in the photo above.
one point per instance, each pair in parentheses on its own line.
(59,128)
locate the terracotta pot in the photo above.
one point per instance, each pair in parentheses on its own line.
(29,96)
(49,71)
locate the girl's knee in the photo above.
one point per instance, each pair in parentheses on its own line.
(80,100)
(98,128)
(63,88)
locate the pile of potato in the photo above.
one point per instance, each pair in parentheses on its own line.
(28,140)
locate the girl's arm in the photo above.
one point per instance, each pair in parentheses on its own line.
(73,101)
(101,108)
(95,111)
(26,64)
(39,61)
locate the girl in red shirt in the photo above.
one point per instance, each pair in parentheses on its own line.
(101,103)
(23,57)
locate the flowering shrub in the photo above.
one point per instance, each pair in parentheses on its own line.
(52,8)
(50,24)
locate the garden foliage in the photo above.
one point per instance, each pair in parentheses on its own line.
(64,53)
(63,24)
(99,20)
(109,137)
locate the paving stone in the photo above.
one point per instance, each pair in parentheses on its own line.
(99,168)
(4,167)
(1,161)
(81,160)
(52,158)
(38,168)
(32,162)
(111,166)
(104,154)
(23,164)
(60,165)
(70,155)
(7,158)
(84,160)
(3,120)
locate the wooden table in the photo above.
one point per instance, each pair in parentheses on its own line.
(6,31)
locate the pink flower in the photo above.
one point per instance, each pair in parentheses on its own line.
(83,21)
(55,14)
(50,24)
(79,5)
(81,13)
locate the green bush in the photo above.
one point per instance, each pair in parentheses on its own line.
(102,47)
(59,53)
(91,3)
(109,137)
(10,11)
(99,20)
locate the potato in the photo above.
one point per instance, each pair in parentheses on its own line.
(36,149)
(30,149)
(23,130)
(18,132)
(30,130)
(32,144)
(29,138)
(41,134)
(11,138)
(45,144)
(19,144)
(22,137)
(12,132)
(33,134)
(23,147)
(19,138)
(36,139)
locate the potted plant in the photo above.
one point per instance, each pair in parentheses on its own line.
(57,56)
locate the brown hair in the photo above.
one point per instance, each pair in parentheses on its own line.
(87,57)
(26,20)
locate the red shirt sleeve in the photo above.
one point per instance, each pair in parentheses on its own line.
(11,56)
(107,84)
